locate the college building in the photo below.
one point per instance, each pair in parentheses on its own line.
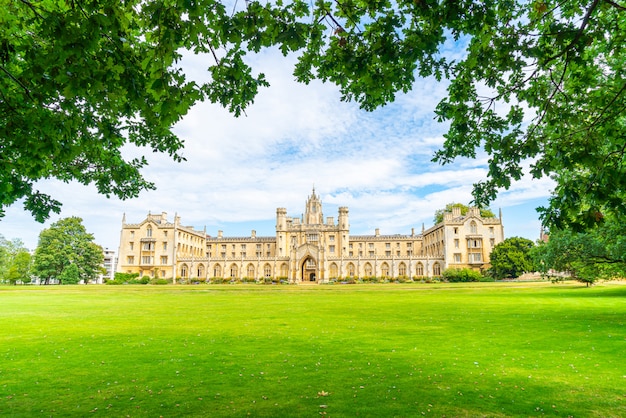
(310,249)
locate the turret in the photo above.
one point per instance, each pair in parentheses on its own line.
(281,219)
(343,218)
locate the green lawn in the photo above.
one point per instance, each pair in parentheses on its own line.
(486,349)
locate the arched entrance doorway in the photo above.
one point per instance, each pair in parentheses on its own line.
(309,270)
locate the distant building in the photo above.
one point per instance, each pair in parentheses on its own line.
(109,265)
(307,249)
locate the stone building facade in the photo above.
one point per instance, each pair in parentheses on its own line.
(310,249)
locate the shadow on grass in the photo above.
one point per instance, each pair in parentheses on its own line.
(603,290)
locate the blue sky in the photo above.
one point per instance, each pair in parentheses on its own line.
(239,170)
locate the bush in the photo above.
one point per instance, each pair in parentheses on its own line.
(143,280)
(125,277)
(128,278)
(402,279)
(462,275)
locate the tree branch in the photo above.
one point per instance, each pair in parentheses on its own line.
(12,77)
(581,29)
(619,93)
(31,7)
(617,6)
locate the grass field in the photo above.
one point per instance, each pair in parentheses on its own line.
(406,350)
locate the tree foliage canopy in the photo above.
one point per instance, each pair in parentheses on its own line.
(485,213)
(511,258)
(67,243)
(15,261)
(541,81)
(597,253)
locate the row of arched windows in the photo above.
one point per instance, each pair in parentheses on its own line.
(384,271)
(232,270)
(250,270)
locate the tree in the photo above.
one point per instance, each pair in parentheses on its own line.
(511,258)
(598,253)
(79,80)
(14,260)
(19,269)
(540,85)
(485,213)
(70,274)
(64,244)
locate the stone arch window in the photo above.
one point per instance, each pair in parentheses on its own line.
(402,269)
(267,270)
(436,269)
(234,271)
(384,269)
(149,231)
(217,271)
(183,270)
(200,270)
(333,270)
(368,269)
(250,273)
(350,270)
(419,269)
(284,270)
(473,227)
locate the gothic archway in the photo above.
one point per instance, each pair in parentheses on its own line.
(309,270)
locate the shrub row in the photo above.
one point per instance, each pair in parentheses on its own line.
(449,275)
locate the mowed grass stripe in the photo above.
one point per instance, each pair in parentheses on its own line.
(365,350)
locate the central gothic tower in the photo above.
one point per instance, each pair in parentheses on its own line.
(313,213)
